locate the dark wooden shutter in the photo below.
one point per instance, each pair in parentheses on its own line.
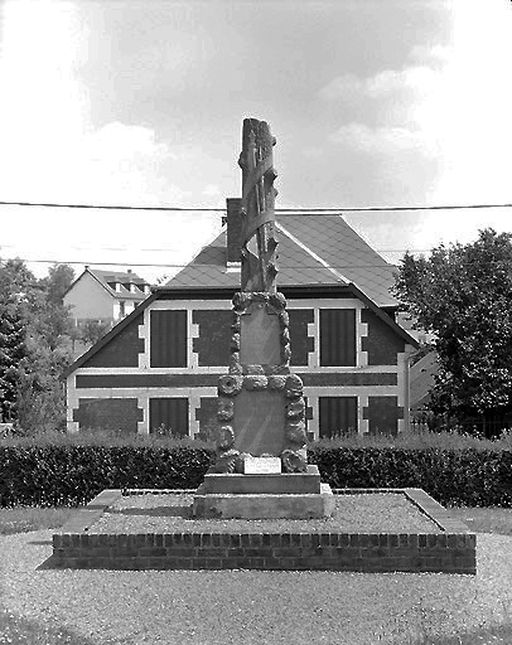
(338,415)
(170,414)
(301,344)
(169,338)
(212,346)
(337,337)
(206,414)
(119,415)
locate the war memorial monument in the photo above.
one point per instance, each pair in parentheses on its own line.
(261,469)
(261,505)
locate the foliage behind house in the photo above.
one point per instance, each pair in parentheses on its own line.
(462,294)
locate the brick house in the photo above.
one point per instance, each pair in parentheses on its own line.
(160,365)
(105,296)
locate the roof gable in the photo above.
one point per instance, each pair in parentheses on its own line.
(87,285)
(345,251)
(313,250)
(103,278)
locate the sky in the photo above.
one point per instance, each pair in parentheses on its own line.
(129,102)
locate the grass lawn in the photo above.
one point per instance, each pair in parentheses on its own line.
(489,519)
(24,519)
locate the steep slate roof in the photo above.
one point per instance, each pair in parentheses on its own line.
(117,276)
(313,250)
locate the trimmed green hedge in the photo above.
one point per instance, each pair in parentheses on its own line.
(70,475)
(465,477)
(73,475)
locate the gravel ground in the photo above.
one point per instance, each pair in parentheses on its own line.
(378,512)
(249,607)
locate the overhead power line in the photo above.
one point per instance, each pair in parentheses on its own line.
(123,249)
(117,208)
(383,265)
(284,211)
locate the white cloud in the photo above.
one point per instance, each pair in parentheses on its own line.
(419,80)
(473,118)
(346,86)
(51,152)
(452,103)
(431,54)
(402,100)
(380,140)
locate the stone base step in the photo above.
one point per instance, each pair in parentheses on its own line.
(278,483)
(264,505)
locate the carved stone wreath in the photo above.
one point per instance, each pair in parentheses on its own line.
(275,303)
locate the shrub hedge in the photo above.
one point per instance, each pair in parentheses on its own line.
(70,475)
(464,477)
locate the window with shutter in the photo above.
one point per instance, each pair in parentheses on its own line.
(338,415)
(169,415)
(168,338)
(337,337)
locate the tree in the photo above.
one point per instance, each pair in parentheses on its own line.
(60,277)
(14,278)
(463,295)
(12,352)
(35,345)
(92,330)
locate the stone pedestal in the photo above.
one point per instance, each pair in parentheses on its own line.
(292,496)
(261,417)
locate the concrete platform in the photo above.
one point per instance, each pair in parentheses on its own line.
(265,506)
(451,549)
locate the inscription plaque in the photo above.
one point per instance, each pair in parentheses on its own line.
(262,465)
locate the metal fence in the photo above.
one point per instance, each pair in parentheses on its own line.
(489,427)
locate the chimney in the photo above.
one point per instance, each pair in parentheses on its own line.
(234,226)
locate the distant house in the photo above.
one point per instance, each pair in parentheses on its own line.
(105,296)
(160,365)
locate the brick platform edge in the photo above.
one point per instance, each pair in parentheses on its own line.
(451,551)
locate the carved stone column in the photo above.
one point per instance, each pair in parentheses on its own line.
(261,406)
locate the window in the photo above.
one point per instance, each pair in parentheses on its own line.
(337,337)
(168,415)
(168,338)
(212,346)
(122,309)
(338,415)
